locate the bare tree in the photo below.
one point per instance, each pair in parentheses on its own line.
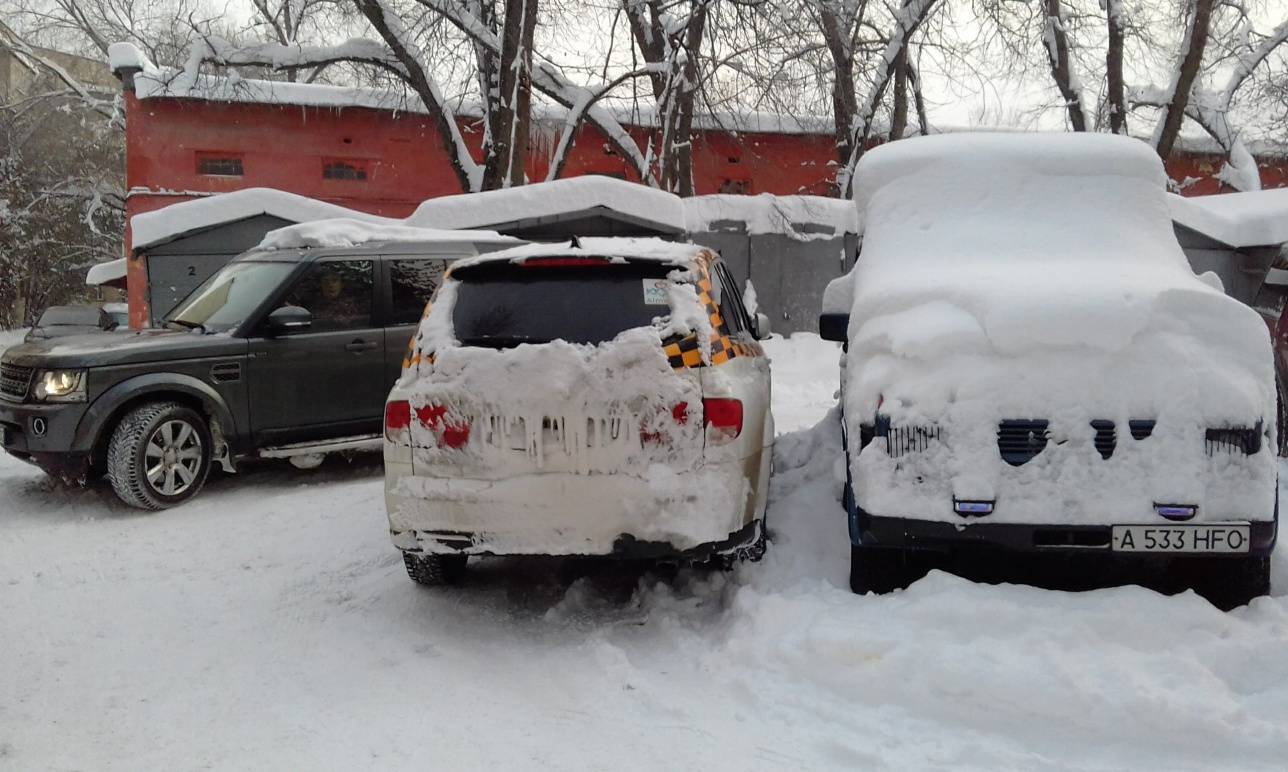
(1055,35)
(907,19)
(1116,98)
(1177,94)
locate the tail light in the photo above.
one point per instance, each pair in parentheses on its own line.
(657,435)
(398,421)
(723,420)
(446,430)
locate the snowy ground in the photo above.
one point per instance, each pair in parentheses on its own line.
(269,625)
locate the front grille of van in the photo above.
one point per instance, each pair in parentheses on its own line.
(1020,439)
(902,440)
(1234,439)
(14,381)
(1106,437)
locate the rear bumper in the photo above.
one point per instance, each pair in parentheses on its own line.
(666,514)
(869,531)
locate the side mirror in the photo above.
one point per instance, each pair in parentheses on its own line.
(833,326)
(288,319)
(762,327)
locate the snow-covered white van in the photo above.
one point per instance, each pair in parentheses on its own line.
(1032,366)
(602,397)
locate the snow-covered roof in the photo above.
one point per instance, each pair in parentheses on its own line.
(801,216)
(347,232)
(102,273)
(153,82)
(616,247)
(1249,219)
(152,228)
(495,208)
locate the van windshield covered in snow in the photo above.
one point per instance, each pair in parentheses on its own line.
(501,306)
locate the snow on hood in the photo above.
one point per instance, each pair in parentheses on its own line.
(1017,243)
(347,232)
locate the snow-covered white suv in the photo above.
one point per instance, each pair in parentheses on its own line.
(1032,366)
(603,397)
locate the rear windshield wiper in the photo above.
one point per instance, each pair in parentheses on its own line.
(185,324)
(499,341)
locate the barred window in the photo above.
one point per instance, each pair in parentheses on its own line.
(344,170)
(219,165)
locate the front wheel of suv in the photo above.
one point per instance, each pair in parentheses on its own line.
(159,455)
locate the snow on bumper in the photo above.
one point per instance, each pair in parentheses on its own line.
(565,513)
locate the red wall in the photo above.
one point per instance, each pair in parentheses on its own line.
(285,147)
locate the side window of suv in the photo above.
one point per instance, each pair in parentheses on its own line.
(337,294)
(731,308)
(412,283)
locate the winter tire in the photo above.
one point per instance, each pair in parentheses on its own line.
(159,455)
(435,570)
(882,569)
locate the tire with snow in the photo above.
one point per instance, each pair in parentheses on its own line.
(883,569)
(435,570)
(159,455)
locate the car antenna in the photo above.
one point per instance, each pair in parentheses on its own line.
(574,243)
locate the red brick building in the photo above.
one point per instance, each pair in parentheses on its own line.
(370,151)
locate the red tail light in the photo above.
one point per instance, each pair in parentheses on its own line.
(679,413)
(447,431)
(397,418)
(723,419)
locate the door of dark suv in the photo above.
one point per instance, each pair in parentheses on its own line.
(327,380)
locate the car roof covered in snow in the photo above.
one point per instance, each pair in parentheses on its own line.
(614,248)
(1249,219)
(563,198)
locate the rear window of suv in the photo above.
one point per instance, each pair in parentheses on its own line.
(500,306)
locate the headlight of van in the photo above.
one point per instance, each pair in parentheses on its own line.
(60,386)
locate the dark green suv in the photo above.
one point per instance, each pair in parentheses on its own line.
(283,353)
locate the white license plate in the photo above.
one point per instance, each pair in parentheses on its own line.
(1180,538)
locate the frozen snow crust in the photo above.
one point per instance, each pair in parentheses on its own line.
(1038,277)
(348,232)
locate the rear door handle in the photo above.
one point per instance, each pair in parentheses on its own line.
(359,346)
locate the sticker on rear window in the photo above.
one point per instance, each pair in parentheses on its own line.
(656,291)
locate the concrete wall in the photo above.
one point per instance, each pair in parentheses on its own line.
(789,274)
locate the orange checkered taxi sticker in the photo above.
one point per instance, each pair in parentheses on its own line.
(725,345)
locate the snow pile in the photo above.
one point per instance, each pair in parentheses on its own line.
(1037,277)
(1250,219)
(347,232)
(296,640)
(176,220)
(495,208)
(799,217)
